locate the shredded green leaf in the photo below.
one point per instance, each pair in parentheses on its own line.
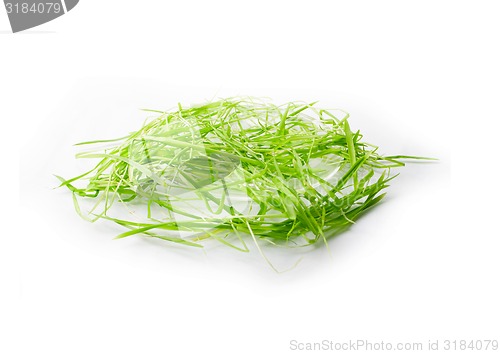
(235,170)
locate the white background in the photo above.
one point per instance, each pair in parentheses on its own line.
(417,77)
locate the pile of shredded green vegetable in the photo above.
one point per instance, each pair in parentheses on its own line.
(235,170)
